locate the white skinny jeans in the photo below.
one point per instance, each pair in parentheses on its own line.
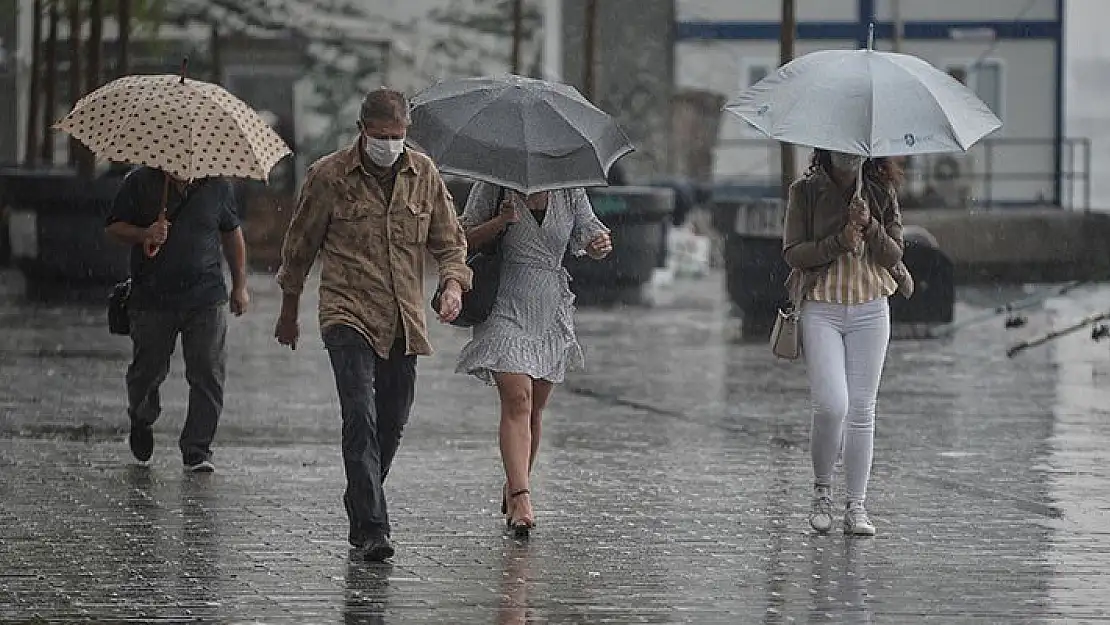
(845,348)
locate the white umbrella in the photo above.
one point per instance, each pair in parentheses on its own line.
(865,102)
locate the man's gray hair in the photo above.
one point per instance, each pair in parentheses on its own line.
(384,105)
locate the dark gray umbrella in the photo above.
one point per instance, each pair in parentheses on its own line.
(524,134)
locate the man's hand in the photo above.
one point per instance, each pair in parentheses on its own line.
(600,247)
(240,300)
(287,330)
(450,302)
(157,232)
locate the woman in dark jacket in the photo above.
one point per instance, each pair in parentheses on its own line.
(845,251)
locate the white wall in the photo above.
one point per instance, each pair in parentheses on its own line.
(960,10)
(765,10)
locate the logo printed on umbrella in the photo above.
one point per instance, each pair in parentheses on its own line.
(763,109)
(909,139)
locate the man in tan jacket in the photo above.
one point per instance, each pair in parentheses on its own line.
(370,211)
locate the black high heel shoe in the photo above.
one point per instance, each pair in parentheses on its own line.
(520,527)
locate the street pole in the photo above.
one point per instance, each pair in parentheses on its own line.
(518,33)
(589,78)
(786,54)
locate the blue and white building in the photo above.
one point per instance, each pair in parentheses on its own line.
(1010,52)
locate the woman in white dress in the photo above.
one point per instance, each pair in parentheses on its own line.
(528,343)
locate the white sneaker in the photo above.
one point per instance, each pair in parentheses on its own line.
(856,522)
(204,466)
(821,511)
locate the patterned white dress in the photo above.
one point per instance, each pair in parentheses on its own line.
(531,328)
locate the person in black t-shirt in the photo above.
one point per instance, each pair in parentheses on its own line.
(179,291)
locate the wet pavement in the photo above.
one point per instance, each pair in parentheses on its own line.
(672,487)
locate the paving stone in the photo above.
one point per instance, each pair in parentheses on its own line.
(672,487)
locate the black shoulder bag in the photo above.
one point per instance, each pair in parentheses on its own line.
(119,316)
(485,263)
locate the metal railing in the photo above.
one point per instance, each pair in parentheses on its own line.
(995,173)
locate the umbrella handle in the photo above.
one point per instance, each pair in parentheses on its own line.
(859,196)
(152,249)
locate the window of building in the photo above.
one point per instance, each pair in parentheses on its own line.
(985,78)
(751,72)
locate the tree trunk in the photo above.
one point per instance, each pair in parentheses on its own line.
(123,16)
(74,10)
(217,56)
(36,74)
(86,161)
(50,92)
(518,34)
(96,39)
(589,78)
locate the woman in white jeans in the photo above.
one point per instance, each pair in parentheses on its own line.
(845,253)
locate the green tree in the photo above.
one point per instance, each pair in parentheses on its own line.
(475,34)
(341,62)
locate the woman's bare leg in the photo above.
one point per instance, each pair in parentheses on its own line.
(541,393)
(515,437)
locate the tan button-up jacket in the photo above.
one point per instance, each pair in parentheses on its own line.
(372,249)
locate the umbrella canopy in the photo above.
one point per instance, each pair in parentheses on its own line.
(865,102)
(524,134)
(188,128)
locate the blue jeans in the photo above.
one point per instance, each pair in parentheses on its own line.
(375,396)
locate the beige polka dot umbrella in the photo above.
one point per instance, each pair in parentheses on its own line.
(188,128)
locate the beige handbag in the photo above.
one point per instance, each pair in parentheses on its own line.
(786,338)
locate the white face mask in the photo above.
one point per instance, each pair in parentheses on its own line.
(383,152)
(845,162)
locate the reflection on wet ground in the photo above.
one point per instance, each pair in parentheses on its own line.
(672,489)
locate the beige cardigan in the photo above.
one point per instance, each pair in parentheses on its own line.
(816,213)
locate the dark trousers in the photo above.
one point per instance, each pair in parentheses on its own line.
(203,335)
(375,396)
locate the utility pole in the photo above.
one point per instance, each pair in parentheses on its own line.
(786,54)
(518,33)
(589,79)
